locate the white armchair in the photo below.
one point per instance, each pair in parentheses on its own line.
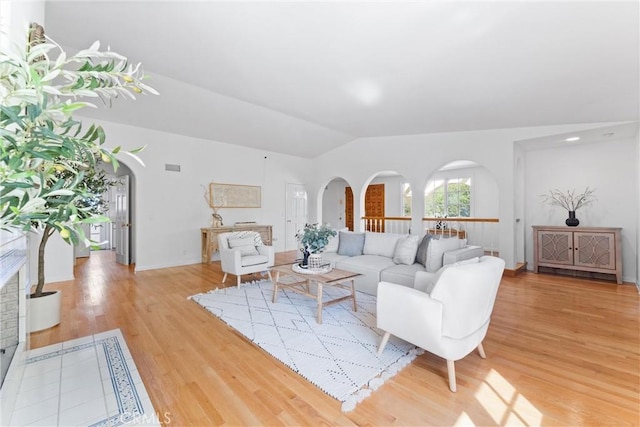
(452,319)
(240,255)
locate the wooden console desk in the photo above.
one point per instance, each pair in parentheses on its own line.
(209,236)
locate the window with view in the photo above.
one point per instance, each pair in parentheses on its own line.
(448,197)
(406,199)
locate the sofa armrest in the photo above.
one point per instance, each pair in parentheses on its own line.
(229,260)
(269,251)
(468,252)
(409,314)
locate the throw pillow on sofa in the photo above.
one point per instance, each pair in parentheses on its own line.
(436,250)
(405,250)
(421,253)
(351,243)
(244,245)
(381,244)
(334,241)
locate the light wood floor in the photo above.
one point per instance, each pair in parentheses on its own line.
(560,351)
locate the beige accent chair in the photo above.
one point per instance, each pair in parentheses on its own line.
(241,252)
(450,317)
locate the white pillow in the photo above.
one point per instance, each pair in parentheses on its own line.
(405,251)
(334,241)
(381,244)
(244,245)
(436,250)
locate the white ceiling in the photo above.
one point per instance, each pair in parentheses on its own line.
(305,77)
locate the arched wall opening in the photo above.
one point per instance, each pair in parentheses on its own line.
(124,169)
(463,189)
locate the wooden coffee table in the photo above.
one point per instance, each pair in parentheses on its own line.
(301,285)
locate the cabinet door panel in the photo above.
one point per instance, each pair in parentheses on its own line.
(555,247)
(595,250)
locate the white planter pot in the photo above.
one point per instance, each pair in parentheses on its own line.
(315,261)
(44,312)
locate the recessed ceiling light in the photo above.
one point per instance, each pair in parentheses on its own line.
(573,138)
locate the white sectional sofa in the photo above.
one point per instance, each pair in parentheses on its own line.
(394,258)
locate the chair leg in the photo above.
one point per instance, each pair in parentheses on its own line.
(224,277)
(481,351)
(451,369)
(238,276)
(383,342)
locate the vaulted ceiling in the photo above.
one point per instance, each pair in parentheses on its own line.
(305,77)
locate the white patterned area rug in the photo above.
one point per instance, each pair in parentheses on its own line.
(339,356)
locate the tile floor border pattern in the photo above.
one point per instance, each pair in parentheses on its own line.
(128,400)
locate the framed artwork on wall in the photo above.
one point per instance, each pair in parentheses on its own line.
(235,196)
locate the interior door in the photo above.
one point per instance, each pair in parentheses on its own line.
(374,205)
(348,208)
(296,214)
(122,221)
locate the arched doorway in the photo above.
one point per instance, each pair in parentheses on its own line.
(118,235)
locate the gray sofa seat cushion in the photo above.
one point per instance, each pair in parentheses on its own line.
(401,274)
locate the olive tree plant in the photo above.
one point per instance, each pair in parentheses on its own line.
(48,158)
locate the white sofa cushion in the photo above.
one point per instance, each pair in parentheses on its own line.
(257,237)
(248,260)
(334,241)
(245,245)
(405,252)
(436,250)
(382,244)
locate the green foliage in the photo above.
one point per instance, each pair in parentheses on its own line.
(315,237)
(46,156)
(451,199)
(48,175)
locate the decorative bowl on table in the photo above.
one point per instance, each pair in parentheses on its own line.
(298,268)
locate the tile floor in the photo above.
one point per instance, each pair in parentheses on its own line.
(89,381)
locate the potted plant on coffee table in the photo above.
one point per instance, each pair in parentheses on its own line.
(313,238)
(48,160)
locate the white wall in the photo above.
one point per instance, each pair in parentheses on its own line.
(611,168)
(15,18)
(170,207)
(59,258)
(638,210)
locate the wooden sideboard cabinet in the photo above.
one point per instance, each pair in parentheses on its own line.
(593,249)
(209,237)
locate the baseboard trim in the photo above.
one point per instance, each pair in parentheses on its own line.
(520,268)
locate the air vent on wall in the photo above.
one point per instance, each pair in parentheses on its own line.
(172,168)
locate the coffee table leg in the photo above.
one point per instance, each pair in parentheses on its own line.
(319,298)
(353,295)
